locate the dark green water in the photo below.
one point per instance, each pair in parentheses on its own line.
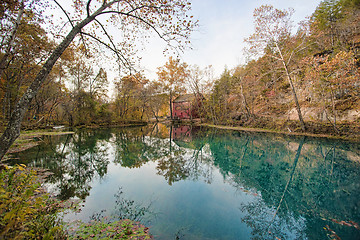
(207,183)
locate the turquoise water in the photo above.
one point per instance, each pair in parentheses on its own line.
(199,183)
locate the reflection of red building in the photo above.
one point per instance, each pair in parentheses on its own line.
(187,106)
(182,133)
(186,136)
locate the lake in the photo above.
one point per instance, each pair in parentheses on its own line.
(189,182)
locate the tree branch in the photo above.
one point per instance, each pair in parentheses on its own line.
(119,55)
(113,44)
(71,22)
(63,10)
(88,8)
(138,18)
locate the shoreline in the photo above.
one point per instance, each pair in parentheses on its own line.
(26,139)
(262,130)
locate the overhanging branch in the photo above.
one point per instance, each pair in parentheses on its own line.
(117,52)
(88,8)
(121,58)
(71,22)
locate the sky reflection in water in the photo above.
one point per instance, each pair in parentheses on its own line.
(208,184)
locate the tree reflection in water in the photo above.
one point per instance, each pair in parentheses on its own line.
(175,160)
(74,162)
(258,215)
(297,186)
(126,208)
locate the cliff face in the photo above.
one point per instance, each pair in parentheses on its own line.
(319,115)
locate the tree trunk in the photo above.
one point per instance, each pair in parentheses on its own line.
(298,152)
(170,105)
(333,108)
(244,100)
(298,109)
(13,128)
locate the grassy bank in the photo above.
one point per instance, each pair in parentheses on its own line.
(32,138)
(345,131)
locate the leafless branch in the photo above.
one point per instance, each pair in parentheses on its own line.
(71,22)
(121,58)
(88,8)
(63,10)
(117,52)
(138,18)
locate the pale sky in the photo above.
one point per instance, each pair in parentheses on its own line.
(219,40)
(224,24)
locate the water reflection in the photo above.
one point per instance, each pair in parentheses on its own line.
(125,208)
(284,187)
(75,160)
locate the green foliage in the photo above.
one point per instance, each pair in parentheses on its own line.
(351,3)
(26,211)
(327,13)
(218,101)
(104,114)
(123,229)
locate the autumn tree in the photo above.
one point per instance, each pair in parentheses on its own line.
(239,74)
(134,19)
(334,25)
(98,84)
(20,60)
(131,98)
(157,99)
(333,78)
(84,84)
(273,37)
(173,76)
(199,82)
(332,69)
(11,12)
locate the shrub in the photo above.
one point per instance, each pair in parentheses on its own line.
(26,210)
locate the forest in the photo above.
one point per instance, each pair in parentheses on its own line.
(296,78)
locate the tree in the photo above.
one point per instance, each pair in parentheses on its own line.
(239,75)
(8,39)
(326,16)
(198,84)
(129,97)
(334,25)
(333,78)
(219,100)
(157,100)
(273,37)
(97,85)
(19,59)
(173,76)
(168,19)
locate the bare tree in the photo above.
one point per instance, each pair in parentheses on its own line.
(273,33)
